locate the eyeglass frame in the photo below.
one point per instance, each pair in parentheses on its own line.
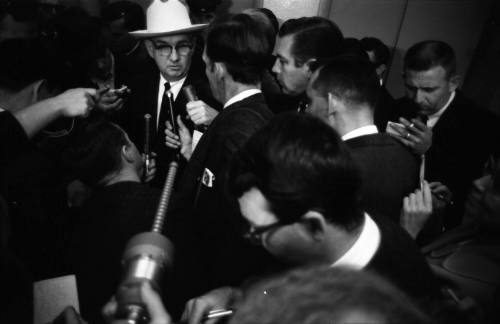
(163,47)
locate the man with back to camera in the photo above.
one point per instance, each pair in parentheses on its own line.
(103,157)
(297,189)
(455,136)
(170,40)
(344,94)
(204,219)
(301,45)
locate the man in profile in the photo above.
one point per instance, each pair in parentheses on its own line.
(301,45)
(297,189)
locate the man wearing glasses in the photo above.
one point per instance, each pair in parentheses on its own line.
(297,189)
(170,40)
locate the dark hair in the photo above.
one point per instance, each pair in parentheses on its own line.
(94,151)
(350,78)
(131,12)
(271,17)
(267,23)
(430,54)
(299,163)
(381,52)
(239,42)
(326,295)
(313,37)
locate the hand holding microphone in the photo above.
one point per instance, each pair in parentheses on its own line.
(199,112)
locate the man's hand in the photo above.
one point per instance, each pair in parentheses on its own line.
(76,102)
(417,208)
(197,308)
(108,100)
(416,135)
(183,140)
(201,113)
(150,172)
(155,308)
(441,195)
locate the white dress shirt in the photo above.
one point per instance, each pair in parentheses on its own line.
(242,95)
(364,249)
(365,130)
(175,88)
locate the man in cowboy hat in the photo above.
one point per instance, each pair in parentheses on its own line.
(170,40)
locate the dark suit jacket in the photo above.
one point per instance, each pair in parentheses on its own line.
(108,220)
(389,173)
(463,138)
(144,100)
(399,260)
(203,222)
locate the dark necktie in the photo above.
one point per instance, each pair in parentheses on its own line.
(166,101)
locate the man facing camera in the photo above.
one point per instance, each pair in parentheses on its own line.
(170,40)
(438,121)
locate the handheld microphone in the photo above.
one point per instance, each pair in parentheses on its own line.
(190,93)
(147,147)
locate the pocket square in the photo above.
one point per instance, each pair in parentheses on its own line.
(208,178)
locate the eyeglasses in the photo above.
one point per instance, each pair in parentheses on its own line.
(182,49)
(254,233)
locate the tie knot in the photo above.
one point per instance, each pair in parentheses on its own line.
(167,86)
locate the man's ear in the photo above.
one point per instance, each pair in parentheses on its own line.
(220,70)
(126,153)
(333,104)
(454,82)
(149,47)
(314,222)
(310,64)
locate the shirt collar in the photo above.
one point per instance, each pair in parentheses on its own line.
(242,95)
(365,247)
(433,119)
(365,130)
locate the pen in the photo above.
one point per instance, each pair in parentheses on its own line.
(218,313)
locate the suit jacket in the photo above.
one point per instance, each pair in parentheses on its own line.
(463,138)
(203,222)
(108,220)
(389,173)
(399,261)
(144,100)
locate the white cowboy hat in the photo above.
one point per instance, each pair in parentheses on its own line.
(167,17)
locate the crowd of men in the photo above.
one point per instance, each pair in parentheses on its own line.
(292,154)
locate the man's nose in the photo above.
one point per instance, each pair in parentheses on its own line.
(174,56)
(276,69)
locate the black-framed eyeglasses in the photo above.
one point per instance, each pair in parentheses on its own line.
(182,49)
(254,233)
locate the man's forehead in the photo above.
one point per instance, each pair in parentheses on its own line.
(173,39)
(283,46)
(433,75)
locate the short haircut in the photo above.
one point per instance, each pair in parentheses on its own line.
(429,54)
(263,18)
(299,163)
(381,52)
(326,295)
(240,43)
(350,78)
(94,151)
(313,38)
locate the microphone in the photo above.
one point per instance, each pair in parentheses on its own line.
(147,147)
(190,93)
(146,257)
